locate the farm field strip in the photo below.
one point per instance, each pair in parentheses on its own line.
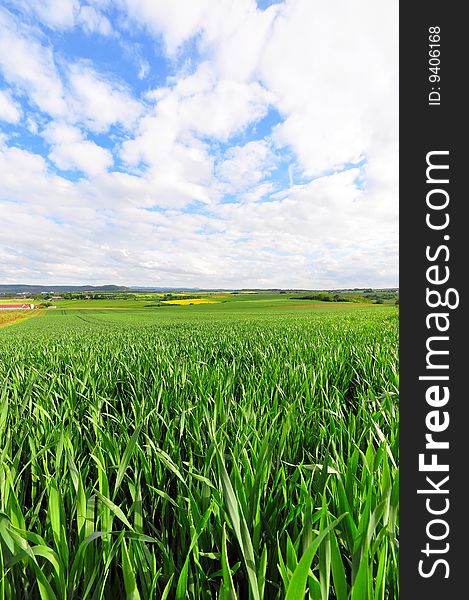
(8,317)
(200,452)
(189,301)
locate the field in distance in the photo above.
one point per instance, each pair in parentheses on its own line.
(127,300)
(238,449)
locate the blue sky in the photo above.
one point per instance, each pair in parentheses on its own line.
(198,143)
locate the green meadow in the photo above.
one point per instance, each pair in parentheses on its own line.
(244,449)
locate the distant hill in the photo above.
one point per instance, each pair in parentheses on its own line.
(37,289)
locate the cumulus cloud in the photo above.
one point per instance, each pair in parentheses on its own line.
(158,214)
(197,104)
(92,21)
(80,94)
(295,240)
(69,150)
(172,139)
(143,69)
(333,73)
(247,165)
(29,65)
(58,14)
(225,109)
(9,109)
(64,15)
(327,68)
(176,21)
(98,100)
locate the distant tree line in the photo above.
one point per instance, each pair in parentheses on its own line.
(380,295)
(323,297)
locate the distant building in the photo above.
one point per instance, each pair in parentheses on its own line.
(16,306)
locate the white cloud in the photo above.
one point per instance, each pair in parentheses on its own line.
(172,138)
(29,65)
(32,126)
(214,107)
(176,21)
(83,95)
(169,138)
(258,192)
(64,15)
(335,233)
(57,14)
(143,70)
(328,68)
(13,161)
(247,165)
(332,71)
(93,21)
(9,109)
(179,172)
(234,34)
(98,101)
(69,150)
(226,109)
(294,241)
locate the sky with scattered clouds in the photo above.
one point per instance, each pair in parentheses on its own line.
(199,143)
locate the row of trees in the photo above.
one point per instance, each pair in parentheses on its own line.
(323,297)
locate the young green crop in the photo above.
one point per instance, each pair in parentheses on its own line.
(246,455)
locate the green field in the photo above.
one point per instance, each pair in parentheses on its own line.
(245,449)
